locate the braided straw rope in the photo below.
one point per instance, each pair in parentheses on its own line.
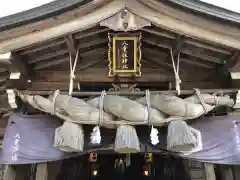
(130,112)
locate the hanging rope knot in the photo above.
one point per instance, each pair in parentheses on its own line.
(197,91)
(148,105)
(176,72)
(216,100)
(103,93)
(55,95)
(72,71)
(72,75)
(177,78)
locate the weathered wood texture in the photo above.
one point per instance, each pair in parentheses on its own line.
(199,171)
(190,24)
(208,49)
(48,171)
(42,172)
(9,173)
(209,170)
(226,172)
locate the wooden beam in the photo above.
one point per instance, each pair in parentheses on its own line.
(162,60)
(178,46)
(188,40)
(90,60)
(158,33)
(71,44)
(47,56)
(21,66)
(155,14)
(126,93)
(63,86)
(5,62)
(52,43)
(94,42)
(53,54)
(42,46)
(101,75)
(43,65)
(229,64)
(90,33)
(154,42)
(20,73)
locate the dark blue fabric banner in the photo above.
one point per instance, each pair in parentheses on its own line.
(29,139)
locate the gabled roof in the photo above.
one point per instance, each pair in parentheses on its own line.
(59,6)
(87,14)
(39,13)
(209,9)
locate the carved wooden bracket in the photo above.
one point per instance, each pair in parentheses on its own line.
(124,88)
(125,21)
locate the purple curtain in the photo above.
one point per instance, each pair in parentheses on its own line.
(29,139)
(221,139)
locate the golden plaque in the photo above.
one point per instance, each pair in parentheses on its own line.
(124,54)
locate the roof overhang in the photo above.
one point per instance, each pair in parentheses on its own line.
(158,14)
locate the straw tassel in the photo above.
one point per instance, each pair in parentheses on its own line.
(69,137)
(180,137)
(126,140)
(199,145)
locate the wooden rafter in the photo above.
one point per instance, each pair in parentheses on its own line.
(42,46)
(47,56)
(152,41)
(57,42)
(231,62)
(157,33)
(90,33)
(71,44)
(42,65)
(178,45)
(21,66)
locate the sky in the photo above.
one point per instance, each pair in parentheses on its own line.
(9,7)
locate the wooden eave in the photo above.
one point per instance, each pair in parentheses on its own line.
(208,9)
(206,46)
(160,14)
(198,65)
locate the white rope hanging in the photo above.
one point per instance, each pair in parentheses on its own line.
(96,134)
(72,71)
(176,72)
(154,131)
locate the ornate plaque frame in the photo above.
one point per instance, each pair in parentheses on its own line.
(115,60)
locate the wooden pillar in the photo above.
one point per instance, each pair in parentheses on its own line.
(236,172)
(9,173)
(209,171)
(226,172)
(42,172)
(53,169)
(199,171)
(48,171)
